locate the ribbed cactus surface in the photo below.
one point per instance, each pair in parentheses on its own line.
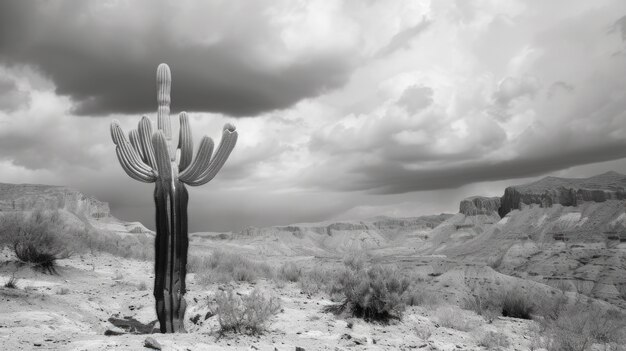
(150,156)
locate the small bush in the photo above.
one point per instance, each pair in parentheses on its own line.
(517,304)
(38,238)
(483,302)
(419,295)
(142,286)
(494,341)
(452,317)
(11,283)
(290,272)
(245,314)
(315,280)
(579,326)
(373,293)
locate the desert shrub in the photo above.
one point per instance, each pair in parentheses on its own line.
(223,267)
(517,304)
(579,326)
(245,314)
(484,302)
(418,295)
(289,271)
(494,341)
(373,293)
(38,238)
(44,234)
(315,280)
(551,307)
(11,283)
(452,317)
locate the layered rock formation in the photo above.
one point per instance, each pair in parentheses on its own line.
(564,191)
(20,197)
(479,205)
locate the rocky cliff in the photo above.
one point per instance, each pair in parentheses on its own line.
(479,205)
(564,191)
(20,197)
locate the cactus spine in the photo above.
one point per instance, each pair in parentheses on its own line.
(150,157)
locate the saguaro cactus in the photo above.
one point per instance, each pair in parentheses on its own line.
(150,157)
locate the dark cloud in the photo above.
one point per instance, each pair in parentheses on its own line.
(395,178)
(104,55)
(11,97)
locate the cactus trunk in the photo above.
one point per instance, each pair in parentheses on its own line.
(151,158)
(171,246)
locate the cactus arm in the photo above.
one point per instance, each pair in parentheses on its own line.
(185,142)
(164,81)
(200,163)
(133,137)
(229,139)
(132,173)
(145,136)
(131,157)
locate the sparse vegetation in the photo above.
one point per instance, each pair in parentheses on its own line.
(245,314)
(41,237)
(372,293)
(494,341)
(289,271)
(517,304)
(579,326)
(223,267)
(38,238)
(11,283)
(453,317)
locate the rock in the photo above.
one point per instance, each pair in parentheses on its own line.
(22,197)
(298,348)
(151,343)
(550,191)
(114,331)
(479,205)
(360,340)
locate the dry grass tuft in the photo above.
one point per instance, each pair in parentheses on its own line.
(224,267)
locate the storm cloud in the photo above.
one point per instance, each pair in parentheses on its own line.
(344,108)
(103,54)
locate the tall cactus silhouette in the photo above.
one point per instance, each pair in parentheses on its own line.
(150,157)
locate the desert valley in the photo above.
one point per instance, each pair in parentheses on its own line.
(555,247)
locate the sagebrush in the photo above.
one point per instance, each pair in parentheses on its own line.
(248,314)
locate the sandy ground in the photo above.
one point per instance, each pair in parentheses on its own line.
(70,311)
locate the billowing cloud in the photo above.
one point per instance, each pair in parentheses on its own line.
(344,108)
(11,96)
(230,57)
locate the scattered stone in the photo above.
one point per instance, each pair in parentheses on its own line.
(114,331)
(360,341)
(151,343)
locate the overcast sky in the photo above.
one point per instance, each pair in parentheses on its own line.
(345,109)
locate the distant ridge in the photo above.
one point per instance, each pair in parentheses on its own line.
(549,191)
